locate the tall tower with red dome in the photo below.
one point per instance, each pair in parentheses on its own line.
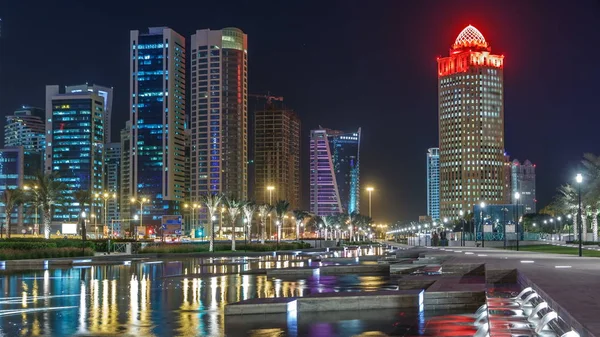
(471,125)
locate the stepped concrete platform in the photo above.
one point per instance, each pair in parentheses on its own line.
(340,301)
(568,283)
(329,270)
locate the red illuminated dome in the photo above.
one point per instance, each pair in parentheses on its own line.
(470,37)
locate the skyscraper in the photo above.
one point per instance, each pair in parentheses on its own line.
(334,171)
(277,155)
(107,95)
(17,167)
(433,183)
(26,128)
(471,125)
(157,101)
(523,181)
(219,111)
(125,188)
(75,146)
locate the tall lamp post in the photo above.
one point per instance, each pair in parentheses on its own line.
(140,201)
(558,228)
(517,197)
(481,207)
(370,190)
(462,225)
(83,233)
(579,179)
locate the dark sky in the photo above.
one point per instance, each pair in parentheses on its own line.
(344,64)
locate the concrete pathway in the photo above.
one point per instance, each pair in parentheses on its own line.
(569,283)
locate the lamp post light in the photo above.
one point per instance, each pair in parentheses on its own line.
(370,190)
(558,228)
(212,226)
(140,201)
(579,179)
(419,234)
(551,223)
(83,233)
(462,223)
(270,189)
(517,197)
(481,207)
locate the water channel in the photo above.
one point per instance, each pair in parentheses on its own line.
(186,297)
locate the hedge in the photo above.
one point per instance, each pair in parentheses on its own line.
(585,243)
(27,245)
(60,243)
(18,254)
(169,248)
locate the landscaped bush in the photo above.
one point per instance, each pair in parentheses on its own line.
(585,243)
(169,248)
(60,243)
(19,254)
(26,245)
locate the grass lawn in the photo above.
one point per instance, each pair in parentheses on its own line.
(559,250)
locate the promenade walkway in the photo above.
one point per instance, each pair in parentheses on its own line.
(570,284)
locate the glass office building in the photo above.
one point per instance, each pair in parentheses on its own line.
(75,147)
(433,183)
(334,172)
(157,154)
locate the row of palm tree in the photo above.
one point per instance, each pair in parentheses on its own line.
(567,199)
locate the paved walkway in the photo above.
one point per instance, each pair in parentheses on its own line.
(569,283)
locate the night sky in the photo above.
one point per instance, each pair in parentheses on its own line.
(345,64)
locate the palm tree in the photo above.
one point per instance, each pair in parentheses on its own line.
(328,223)
(235,207)
(591,165)
(83,197)
(48,194)
(211,201)
(11,198)
(249,209)
(299,216)
(263,212)
(281,208)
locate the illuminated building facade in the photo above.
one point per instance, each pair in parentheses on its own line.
(107,95)
(75,146)
(125,188)
(471,125)
(523,181)
(433,183)
(26,128)
(334,172)
(277,155)
(18,167)
(157,102)
(219,113)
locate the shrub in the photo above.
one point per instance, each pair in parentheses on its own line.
(19,254)
(27,245)
(585,243)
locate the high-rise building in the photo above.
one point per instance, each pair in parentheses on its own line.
(17,167)
(112,172)
(107,95)
(433,183)
(157,101)
(26,128)
(125,188)
(334,171)
(219,111)
(523,182)
(277,155)
(471,125)
(75,146)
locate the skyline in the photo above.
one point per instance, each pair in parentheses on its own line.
(343,99)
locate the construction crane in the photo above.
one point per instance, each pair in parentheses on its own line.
(270,98)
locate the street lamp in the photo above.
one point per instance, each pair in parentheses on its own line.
(270,189)
(559,228)
(517,197)
(83,233)
(140,201)
(481,207)
(370,190)
(462,222)
(579,179)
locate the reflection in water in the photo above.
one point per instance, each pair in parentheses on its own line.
(185,297)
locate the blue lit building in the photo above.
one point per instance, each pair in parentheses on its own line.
(75,146)
(334,172)
(17,167)
(433,183)
(157,116)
